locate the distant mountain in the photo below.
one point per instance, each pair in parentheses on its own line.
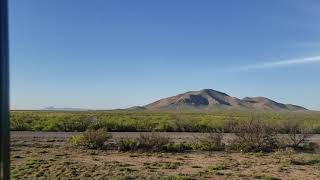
(209,99)
(137,108)
(51,108)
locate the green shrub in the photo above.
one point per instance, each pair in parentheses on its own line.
(92,139)
(312,147)
(128,144)
(177,147)
(77,140)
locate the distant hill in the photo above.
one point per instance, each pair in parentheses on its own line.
(51,108)
(209,99)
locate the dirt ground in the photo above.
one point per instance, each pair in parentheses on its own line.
(49,157)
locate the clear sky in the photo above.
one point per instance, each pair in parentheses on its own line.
(103,54)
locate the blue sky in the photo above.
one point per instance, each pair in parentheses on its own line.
(114,54)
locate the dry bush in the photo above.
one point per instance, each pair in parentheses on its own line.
(209,142)
(151,142)
(297,135)
(145,142)
(229,125)
(253,136)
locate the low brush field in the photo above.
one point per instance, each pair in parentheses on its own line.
(126,121)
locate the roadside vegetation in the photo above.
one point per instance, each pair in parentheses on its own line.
(121,121)
(249,136)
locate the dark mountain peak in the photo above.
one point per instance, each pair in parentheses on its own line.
(212,92)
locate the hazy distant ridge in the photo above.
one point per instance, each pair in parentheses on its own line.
(64,109)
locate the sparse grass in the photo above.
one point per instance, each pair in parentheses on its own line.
(219,173)
(176,177)
(218,167)
(264,177)
(71,163)
(306,160)
(196,166)
(170,165)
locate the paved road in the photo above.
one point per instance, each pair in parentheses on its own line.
(180,136)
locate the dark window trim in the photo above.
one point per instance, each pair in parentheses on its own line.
(4,97)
